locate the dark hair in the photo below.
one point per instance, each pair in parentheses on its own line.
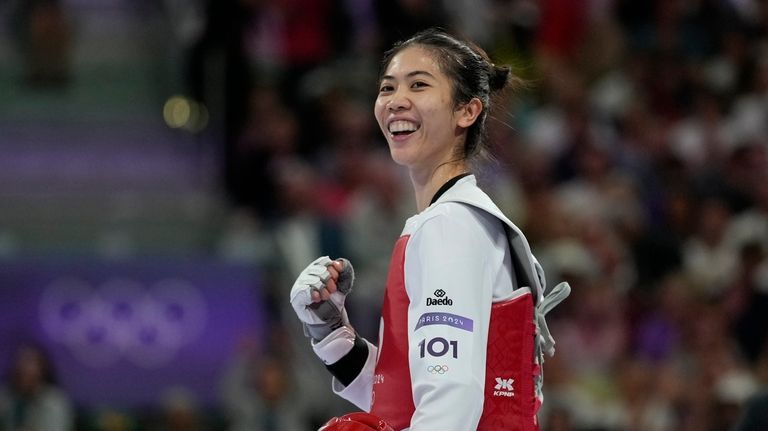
(471,70)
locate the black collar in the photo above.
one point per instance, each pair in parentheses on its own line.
(448,184)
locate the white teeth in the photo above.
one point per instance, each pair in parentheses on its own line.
(402,126)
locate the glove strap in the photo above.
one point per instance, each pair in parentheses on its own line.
(335,346)
(333,320)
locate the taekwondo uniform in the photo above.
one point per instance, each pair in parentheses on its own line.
(462,330)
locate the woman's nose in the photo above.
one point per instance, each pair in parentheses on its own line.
(398,102)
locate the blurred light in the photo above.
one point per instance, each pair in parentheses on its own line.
(176,111)
(181,112)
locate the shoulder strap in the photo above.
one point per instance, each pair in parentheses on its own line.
(550,301)
(522,263)
(525,277)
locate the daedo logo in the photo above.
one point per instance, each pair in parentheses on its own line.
(441,299)
(504,387)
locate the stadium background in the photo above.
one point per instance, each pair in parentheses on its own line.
(168,167)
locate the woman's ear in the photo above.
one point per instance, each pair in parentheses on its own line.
(468,113)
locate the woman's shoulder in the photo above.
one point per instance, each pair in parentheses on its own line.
(454,220)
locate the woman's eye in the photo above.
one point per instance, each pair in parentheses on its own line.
(385,88)
(419,84)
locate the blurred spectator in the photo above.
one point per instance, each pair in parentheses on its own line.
(111,419)
(701,138)
(590,350)
(44,39)
(31,399)
(751,225)
(257,395)
(311,33)
(707,257)
(343,156)
(270,135)
(750,107)
(400,19)
(559,419)
(371,225)
(747,300)
(733,391)
(180,411)
(217,74)
(562,28)
(302,231)
(754,415)
(643,402)
(660,330)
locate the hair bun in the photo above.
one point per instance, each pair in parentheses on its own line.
(499,77)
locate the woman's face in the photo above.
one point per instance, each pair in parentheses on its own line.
(415,111)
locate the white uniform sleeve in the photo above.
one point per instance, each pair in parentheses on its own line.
(452,263)
(358,392)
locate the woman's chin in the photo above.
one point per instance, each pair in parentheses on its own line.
(399,156)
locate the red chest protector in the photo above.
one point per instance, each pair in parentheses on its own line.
(510,400)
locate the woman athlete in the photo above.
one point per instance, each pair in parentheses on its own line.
(462,328)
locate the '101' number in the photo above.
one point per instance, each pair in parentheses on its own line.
(438,347)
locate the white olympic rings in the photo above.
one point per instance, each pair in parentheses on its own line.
(437,369)
(122,319)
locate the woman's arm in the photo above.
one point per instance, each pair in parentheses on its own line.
(452,264)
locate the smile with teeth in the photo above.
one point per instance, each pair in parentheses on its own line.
(402,127)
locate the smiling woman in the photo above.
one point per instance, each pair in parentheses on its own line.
(462,331)
(447,85)
(415,112)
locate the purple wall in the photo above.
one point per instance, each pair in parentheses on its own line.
(122,332)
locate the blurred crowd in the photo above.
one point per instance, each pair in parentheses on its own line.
(636,161)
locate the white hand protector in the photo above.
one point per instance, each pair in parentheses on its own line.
(321,318)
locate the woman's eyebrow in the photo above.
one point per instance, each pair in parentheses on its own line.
(410,74)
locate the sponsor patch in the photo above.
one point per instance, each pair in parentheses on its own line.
(504,387)
(440,299)
(448,319)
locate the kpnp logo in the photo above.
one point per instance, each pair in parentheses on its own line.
(441,299)
(504,387)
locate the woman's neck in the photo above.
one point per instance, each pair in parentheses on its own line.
(426,185)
